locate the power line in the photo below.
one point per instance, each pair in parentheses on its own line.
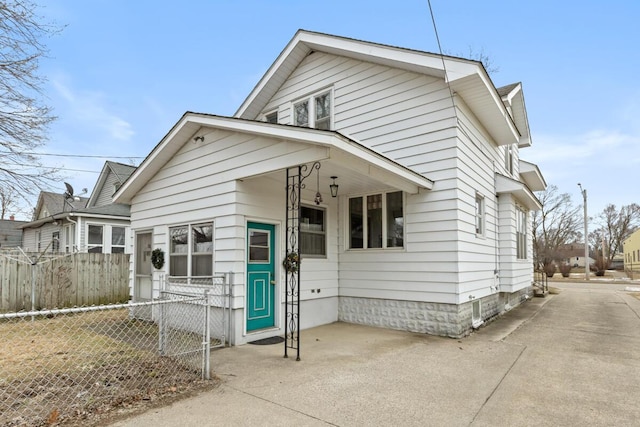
(54,168)
(74,155)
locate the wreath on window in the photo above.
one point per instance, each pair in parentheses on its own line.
(157,258)
(291,262)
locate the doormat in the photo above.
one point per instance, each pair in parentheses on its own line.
(268,341)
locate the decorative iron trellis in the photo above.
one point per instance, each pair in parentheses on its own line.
(295,183)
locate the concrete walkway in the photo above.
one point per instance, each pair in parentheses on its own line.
(567,359)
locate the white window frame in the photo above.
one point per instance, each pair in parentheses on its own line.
(508,160)
(311,108)
(271,113)
(480,215)
(124,243)
(521,233)
(95,245)
(304,229)
(190,253)
(384,219)
(55,241)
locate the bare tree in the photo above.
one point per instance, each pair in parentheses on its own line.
(24,118)
(617,225)
(556,224)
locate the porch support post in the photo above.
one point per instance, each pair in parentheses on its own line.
(292,262)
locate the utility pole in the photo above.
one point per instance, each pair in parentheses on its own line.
(586,233)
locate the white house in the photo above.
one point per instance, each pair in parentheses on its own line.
(66,223)
(429,231)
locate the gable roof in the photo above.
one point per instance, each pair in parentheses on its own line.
(118,170)
(335,146)
(55,203)
(513,98)
(467,78)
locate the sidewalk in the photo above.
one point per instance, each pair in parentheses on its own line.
(354,375)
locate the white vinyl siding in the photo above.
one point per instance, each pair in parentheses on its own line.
(408,117)
(106,195)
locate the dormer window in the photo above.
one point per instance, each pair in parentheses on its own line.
(271,117)
(314,112)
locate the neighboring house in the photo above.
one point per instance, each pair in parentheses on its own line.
(573,254)
(631,249)
(10,233)
(67,223)
(430,229)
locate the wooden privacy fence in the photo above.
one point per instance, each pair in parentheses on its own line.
(65,280)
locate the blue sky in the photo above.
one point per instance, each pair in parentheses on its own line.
(123,72)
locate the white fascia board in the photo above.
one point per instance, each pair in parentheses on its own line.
(519,190)
(304,42)
(532,176)
(161,153)
(478,93)
(320,137)
(190,123)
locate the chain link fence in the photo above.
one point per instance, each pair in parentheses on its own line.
(69,365)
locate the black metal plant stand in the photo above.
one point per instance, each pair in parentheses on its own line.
(295,183)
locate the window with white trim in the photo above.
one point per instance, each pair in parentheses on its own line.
(521,233)
(271,117)
(313,235)
(191,250)
(117,240)
(480,215)
(314,112)
(508,158)
(55,241)
(69,237)
(384,224)
(95,242)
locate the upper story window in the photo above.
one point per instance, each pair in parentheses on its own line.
(271,117)
(384,224)
(314,112)
(508,158)
(191,250)
(480,215)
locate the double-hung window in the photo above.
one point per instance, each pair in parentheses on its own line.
(376,221)
(314,112)
(95,241)
(313,235)
(191,250)
(117,240)
(521,233)
(479,215)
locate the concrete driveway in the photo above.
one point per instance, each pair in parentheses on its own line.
(565,360)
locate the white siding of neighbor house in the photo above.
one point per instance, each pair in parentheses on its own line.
(409,117)
(106,194)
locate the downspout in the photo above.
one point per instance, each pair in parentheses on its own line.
(496,270)
(77,231)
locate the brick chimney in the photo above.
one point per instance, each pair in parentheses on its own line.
(12,218)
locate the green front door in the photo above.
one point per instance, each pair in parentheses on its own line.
(261,295)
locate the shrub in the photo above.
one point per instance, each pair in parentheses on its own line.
(565,269)
(550,269)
